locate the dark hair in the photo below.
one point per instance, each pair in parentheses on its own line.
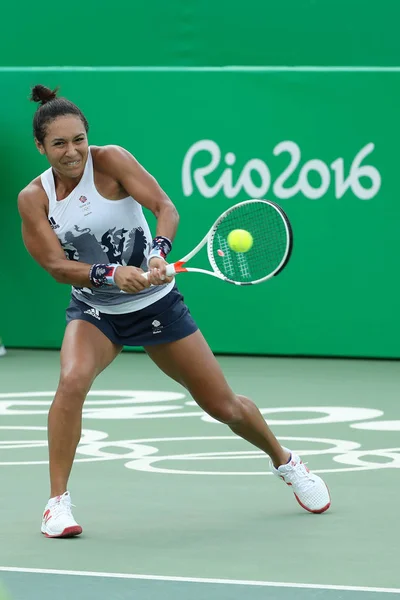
(51,107)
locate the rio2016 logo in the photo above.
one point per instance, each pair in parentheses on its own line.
(328,176)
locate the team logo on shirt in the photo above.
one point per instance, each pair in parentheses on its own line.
(85,205)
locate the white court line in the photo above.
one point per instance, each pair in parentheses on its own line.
(205,69)
(281,584)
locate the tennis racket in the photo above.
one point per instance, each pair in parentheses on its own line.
(272,242)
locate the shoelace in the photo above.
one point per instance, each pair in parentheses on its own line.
(63,505)
(300,477)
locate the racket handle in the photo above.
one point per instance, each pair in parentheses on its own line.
(170,270)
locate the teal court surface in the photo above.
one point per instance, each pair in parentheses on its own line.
(174,506)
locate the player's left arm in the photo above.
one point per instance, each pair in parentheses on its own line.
(142,186)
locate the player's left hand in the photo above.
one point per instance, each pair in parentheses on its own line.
(157,271)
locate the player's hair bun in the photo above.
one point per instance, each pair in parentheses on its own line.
(43,94)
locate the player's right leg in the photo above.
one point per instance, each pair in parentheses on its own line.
(85,352)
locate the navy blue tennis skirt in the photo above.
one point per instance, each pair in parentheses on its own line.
(166,320)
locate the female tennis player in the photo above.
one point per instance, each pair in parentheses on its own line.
(82,221)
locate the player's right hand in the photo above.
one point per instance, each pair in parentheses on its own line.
(130,279)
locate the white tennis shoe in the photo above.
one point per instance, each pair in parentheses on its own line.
(310,491)
(57,518)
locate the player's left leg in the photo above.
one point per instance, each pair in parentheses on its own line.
(191,362)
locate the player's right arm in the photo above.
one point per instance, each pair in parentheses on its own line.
(43,244)
(45,248)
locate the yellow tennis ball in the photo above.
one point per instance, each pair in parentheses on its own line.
(240,240)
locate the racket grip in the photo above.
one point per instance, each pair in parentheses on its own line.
(170,270)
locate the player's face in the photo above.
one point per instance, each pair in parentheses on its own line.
(66,145)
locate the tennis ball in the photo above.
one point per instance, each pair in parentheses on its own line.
(240,240)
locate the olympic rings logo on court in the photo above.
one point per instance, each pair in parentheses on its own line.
(190,454)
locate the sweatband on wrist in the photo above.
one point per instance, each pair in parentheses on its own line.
(160,247)
(102,275)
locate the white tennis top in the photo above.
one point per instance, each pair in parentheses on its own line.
(92,229)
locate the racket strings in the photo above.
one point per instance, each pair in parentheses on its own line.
(270,246)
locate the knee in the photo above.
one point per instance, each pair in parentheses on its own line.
(226,409)
(73,387)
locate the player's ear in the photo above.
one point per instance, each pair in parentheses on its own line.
(39,146)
